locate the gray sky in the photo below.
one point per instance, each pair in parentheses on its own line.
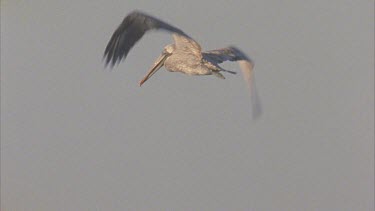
(76,136)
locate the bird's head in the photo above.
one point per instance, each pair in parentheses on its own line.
(169,49)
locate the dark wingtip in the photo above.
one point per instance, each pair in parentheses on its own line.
(241,53)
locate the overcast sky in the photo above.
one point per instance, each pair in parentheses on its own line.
(77,136)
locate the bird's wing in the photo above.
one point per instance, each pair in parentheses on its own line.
(130,31)
(225,54)
(246,64)
(187,46)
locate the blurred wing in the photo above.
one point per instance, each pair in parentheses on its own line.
(234,54)
(225,54)
(130,31)
(248,74)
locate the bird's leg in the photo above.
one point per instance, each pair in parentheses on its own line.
(228,71)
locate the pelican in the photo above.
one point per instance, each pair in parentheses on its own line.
(184,55)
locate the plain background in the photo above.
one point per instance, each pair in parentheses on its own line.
(77,136)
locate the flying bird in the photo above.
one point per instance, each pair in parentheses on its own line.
(184,55)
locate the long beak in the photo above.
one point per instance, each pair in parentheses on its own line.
(157,65)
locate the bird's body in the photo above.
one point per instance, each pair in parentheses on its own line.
(184,55)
